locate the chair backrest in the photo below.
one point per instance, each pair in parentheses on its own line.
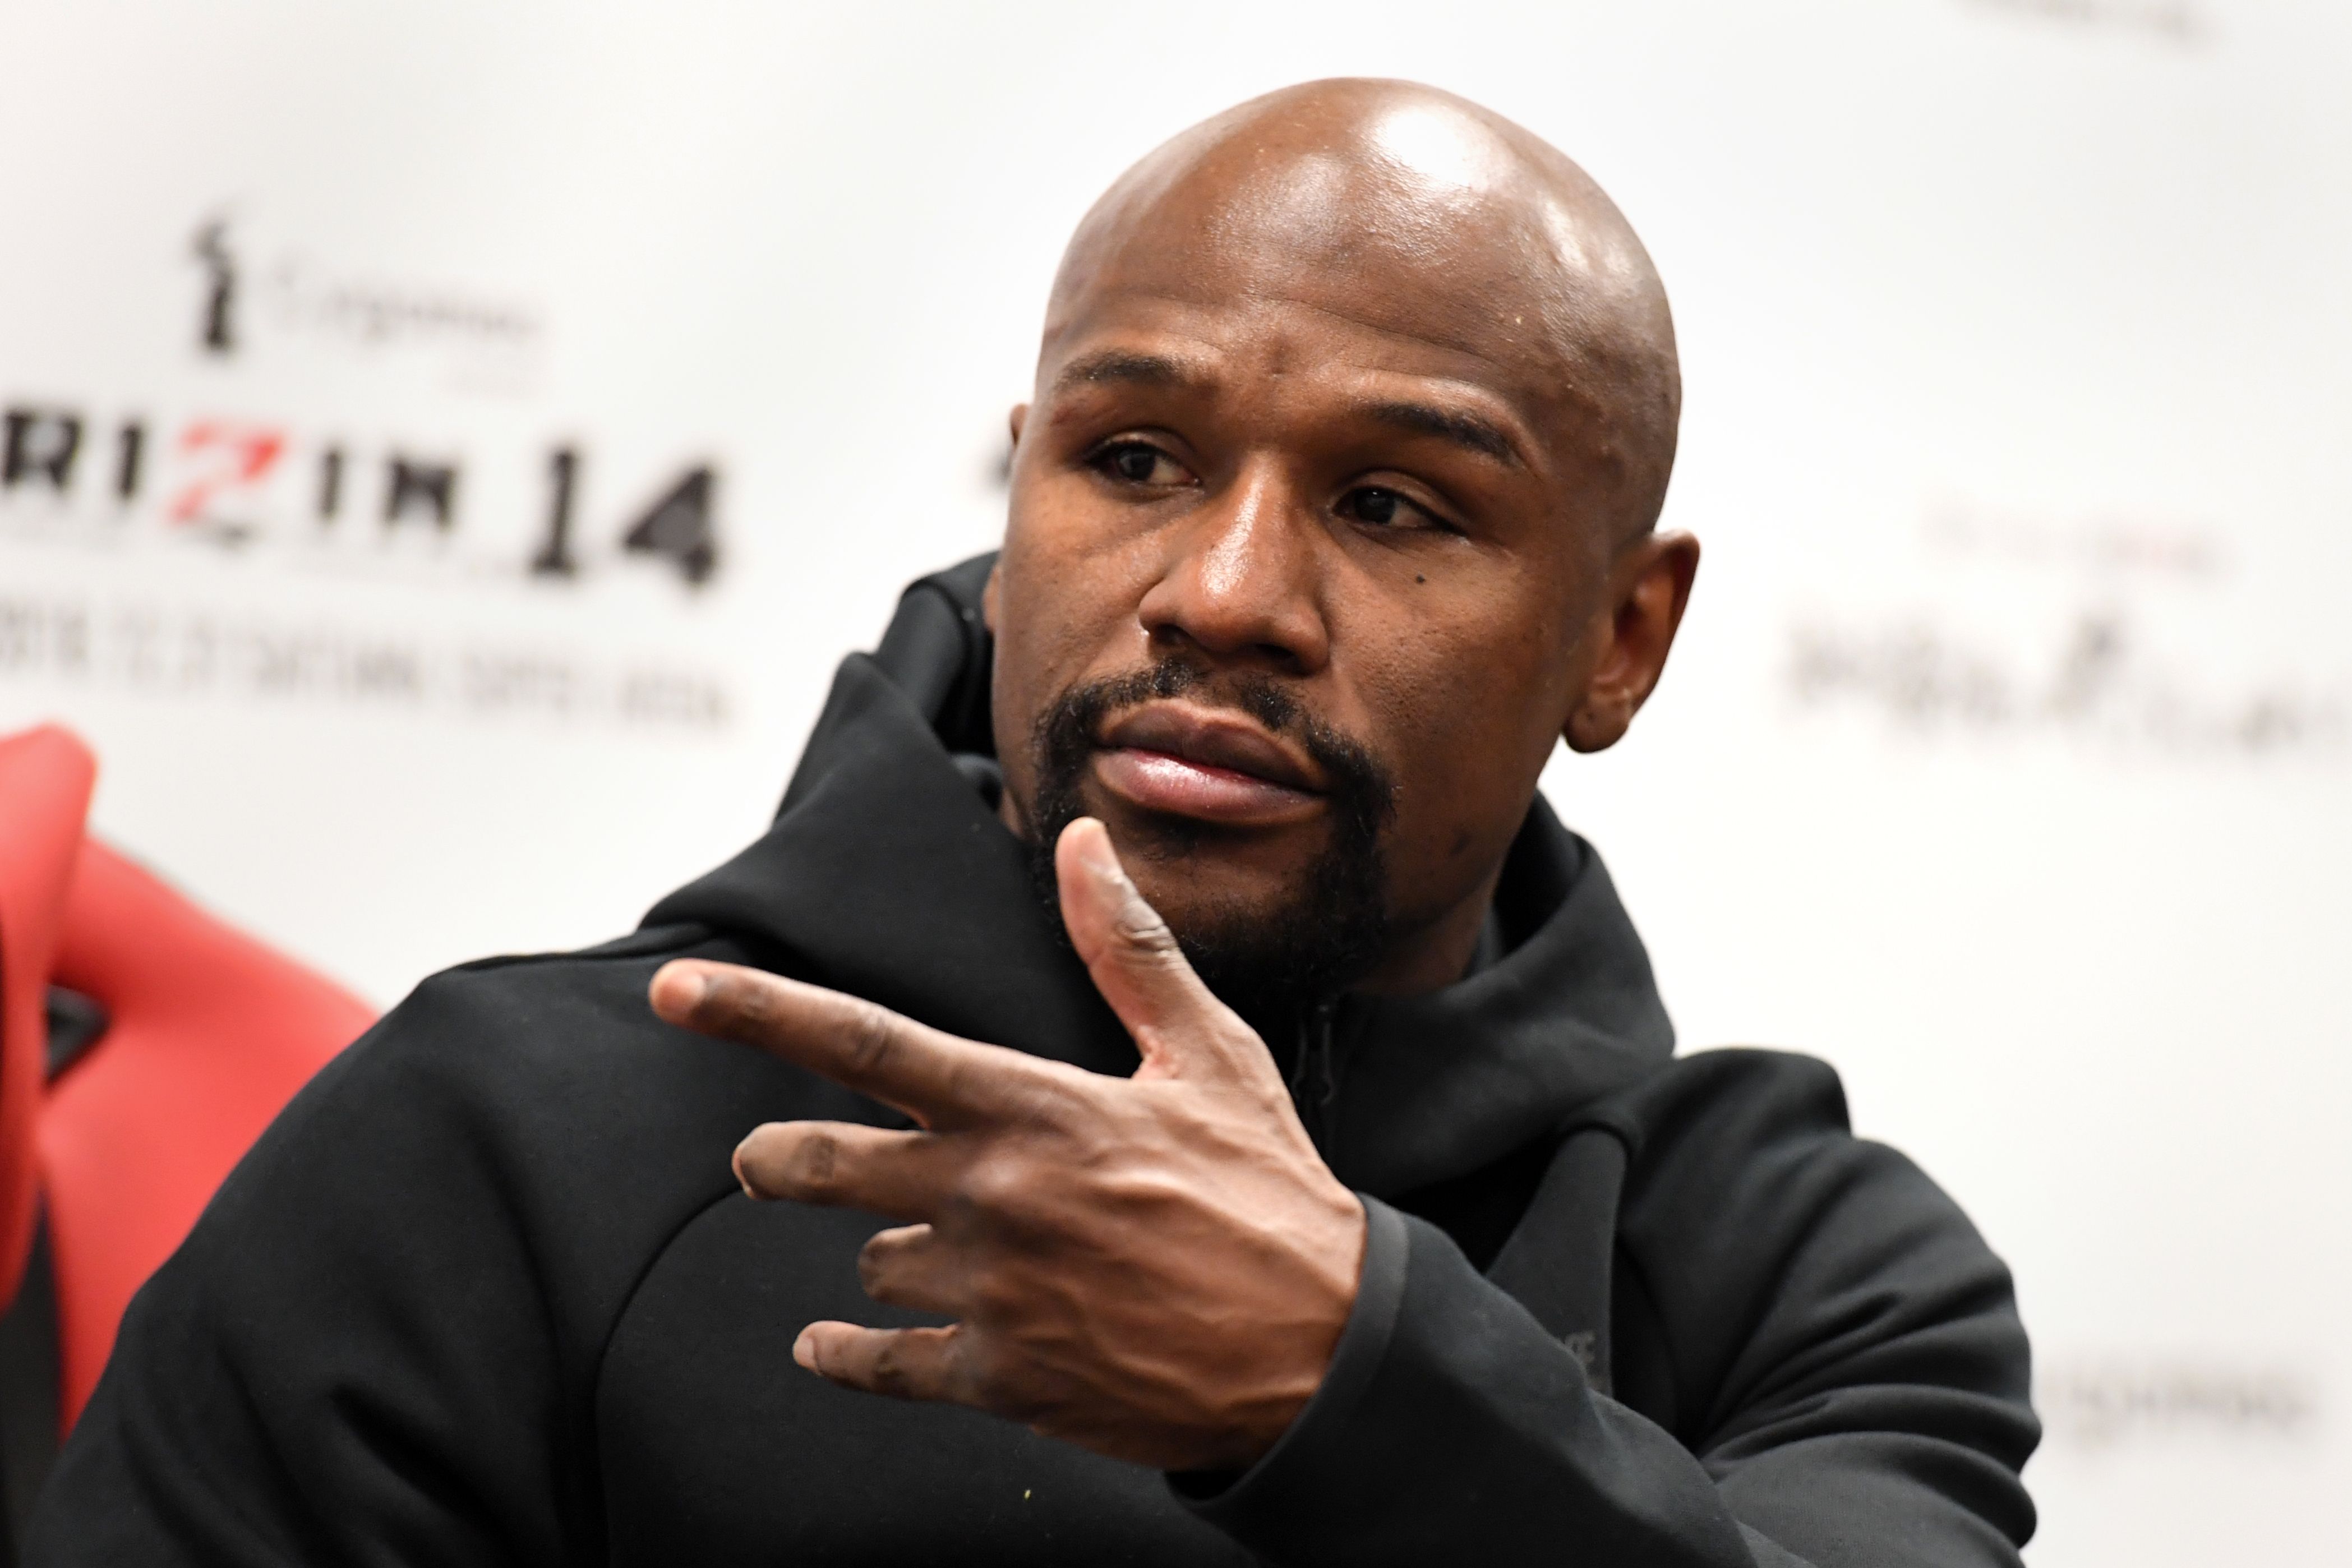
(45,781)
(209,1033)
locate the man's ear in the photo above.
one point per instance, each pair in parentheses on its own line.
(1019,417)
(1649,584)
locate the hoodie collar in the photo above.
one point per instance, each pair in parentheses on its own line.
(886,875)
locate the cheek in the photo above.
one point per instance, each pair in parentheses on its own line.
(1067,608)
(1468,719)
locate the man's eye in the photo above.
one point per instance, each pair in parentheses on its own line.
(1379,507)
(1137,464)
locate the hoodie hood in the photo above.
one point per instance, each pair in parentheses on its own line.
(886,875)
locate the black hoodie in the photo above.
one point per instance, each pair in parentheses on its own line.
(486,1292)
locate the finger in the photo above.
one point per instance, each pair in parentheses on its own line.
(839,1164)
(912,1266)
(905,1363)
(936,1079)
(1179,1025)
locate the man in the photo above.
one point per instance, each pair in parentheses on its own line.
(1306,1177)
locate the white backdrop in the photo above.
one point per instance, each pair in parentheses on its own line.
(2004,762)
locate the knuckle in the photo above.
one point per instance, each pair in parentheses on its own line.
(1049,1096)
(996,1184)
(980,1370)
(998,1383)
(995,1298)
(869,1037)
(884,1262)
(1138,928)
(892,1370)
(814,1163)
(888,1371)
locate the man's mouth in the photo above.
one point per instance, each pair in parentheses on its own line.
(1181,760)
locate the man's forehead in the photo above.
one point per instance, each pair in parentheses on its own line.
(1405,256)
(1452,398)
(1414,226)
(1456,370)
(1294,325)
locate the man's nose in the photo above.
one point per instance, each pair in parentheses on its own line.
(1243,580)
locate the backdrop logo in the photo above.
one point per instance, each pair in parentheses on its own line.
(476,340)
(237,481)
(2103,1402)
(2174,21)
(311,484)
(2109,629)
(216,320)
(295,454)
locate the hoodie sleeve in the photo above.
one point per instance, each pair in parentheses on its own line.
(1854,1368)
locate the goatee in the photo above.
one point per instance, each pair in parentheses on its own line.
(1263,961)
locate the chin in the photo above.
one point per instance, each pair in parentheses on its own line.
(1200,884)
(1223,862)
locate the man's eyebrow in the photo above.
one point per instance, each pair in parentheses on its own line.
(1124,365)
(1458,426)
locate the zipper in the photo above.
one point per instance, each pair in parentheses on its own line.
(1315,1073)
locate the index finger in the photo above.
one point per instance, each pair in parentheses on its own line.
(943,1082)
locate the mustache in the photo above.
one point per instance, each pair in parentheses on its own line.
(1362,791)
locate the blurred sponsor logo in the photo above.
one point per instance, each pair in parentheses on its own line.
(447,503)
(305,298)
(1955,525)
(2099,685)
(234,481)
(216,317)
(182,652)
(2173,20)
(481,341)
(2116,629)
(2104,1404)
(110,478)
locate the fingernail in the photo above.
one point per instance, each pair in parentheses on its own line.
(804,1351)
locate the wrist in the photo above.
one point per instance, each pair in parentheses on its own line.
(1334,1254)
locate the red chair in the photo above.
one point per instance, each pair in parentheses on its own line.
(45,783)
(207,1034)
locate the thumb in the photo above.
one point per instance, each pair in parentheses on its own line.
(1183,1030)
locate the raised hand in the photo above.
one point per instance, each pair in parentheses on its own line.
(1156,1268)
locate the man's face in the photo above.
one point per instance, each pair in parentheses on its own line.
(1301,565)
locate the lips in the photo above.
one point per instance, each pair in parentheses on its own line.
(1173,758)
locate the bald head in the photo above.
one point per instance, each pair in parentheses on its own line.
(1427,217)
(1331,514)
